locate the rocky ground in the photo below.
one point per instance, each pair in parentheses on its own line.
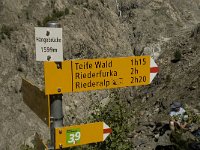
(94,29)
(176,81)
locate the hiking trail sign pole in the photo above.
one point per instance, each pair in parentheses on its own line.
(49,48)
(56,112)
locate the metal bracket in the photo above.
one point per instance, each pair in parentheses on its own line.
(59,65)
(56,119)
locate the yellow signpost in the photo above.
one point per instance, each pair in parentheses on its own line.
(95,74)
(81,134)
(76,76)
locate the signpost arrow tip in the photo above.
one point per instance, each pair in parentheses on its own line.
(106,131)
(153,69)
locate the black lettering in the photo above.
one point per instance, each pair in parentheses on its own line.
(98,64)
(105,64)
(77,76)
(44,39)
(93,75)
(140,80)
(115,73)
(144,79)
(84,75)
(132,81)
(93,84)
(77,85)
(107,83)
(101,84)
(77,66)
(144,61)
(134,71)
(54,50)
(136,80)
(111,73)
(84,85)
(98,74)
(140,61)
(137,62)
(110,64)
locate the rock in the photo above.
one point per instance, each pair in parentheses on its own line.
(182,139)
(140,129)
(156,110)
(22,68)
(194,127)
(67,108)
(196,111)
(164,139)
(17,83)
(5,72)
(198,104)
(104,101)
(139,142)
(29,141)
(142,113)
(148,124)
(157,136)
(11,85)
(191,88)
(196,31)
(166,147)
(194,146)
(131,135)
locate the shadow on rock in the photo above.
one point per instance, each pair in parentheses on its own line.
(168,147)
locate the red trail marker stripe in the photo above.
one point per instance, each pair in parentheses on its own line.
(154,70)
(109,130)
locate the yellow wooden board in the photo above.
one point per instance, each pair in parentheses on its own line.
(78,135)
(94,74)
(56,79)
(36,100)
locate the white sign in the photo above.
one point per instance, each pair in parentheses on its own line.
(48,44)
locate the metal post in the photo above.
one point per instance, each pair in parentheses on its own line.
(56,111)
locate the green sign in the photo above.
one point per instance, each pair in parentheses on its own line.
(73,136)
